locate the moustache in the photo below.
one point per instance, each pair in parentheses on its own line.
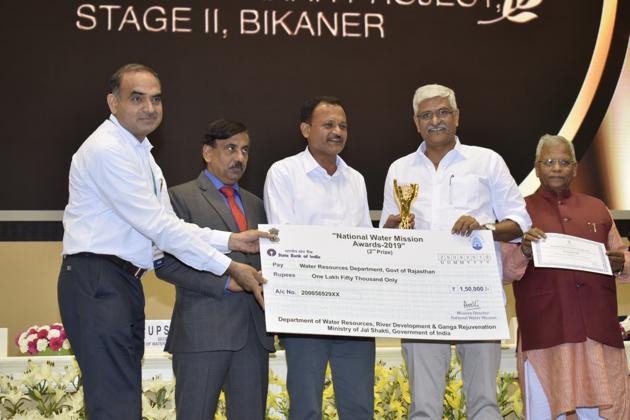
(236,165)
(436,127)
(149,115)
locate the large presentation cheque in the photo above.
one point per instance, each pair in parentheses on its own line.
(382,283)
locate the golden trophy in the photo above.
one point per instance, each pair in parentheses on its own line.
(405,195)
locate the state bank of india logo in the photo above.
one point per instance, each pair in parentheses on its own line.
(271,252)
(517,11)
(476,242)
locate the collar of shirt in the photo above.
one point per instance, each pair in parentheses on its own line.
(457,151)
(311,165)
(144,144)
(217,182)
(563,195)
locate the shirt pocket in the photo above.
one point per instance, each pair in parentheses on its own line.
(464,191)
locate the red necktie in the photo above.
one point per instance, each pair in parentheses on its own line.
(239,217)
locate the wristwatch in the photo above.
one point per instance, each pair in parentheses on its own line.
(490,226)
(620,270)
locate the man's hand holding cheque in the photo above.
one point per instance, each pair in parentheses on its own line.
(247,241)
(247,278)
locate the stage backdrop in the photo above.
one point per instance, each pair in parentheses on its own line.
(520,68)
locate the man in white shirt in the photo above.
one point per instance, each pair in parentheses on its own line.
(316,187)
(462,188)
(117,223)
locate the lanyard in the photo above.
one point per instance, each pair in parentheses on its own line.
(153,180)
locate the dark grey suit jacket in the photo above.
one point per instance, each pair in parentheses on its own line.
(204,318)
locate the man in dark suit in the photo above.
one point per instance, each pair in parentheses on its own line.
(217,334)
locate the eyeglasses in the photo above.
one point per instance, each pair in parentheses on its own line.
(550,163)
(441,114)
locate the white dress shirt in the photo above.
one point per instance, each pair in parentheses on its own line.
(119,205)
(469,180)
(299,191)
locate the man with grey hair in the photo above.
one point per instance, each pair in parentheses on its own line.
(463,188)
(117,223)
(550,141)
(570,357)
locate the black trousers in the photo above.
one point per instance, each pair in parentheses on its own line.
(102,310)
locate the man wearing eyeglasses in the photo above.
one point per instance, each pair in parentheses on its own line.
(462,188)
(571,357)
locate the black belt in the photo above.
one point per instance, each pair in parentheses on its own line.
(126,266)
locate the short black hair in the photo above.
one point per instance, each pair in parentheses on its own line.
(116,79)
(222,129)
(306,113)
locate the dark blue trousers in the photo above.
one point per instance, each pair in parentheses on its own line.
(102,310)
(352,367)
